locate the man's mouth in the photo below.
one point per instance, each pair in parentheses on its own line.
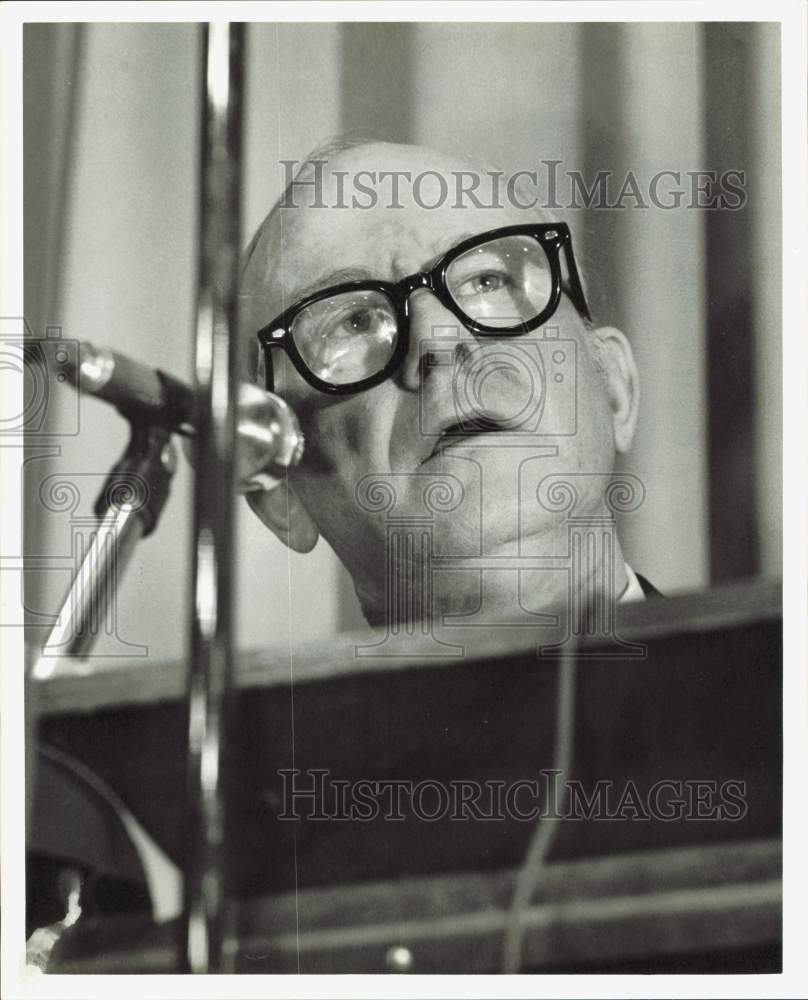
(461,433)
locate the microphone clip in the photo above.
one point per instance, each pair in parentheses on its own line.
(141,477)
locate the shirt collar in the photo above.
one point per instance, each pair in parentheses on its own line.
(633,591)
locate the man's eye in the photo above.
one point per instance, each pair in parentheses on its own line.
(484,283)
(359,321)
(364,323)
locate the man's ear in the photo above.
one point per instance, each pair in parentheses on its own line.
(623,384)
(282,512)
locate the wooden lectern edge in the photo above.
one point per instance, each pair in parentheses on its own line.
(107,682)
(638,905)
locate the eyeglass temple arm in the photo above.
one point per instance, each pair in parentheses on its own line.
(576,288)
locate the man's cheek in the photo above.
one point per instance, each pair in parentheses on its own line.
(594,442)
(330,440)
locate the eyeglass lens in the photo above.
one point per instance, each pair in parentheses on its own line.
(347,337)
(502,283)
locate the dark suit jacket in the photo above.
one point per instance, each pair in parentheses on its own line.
(648,588)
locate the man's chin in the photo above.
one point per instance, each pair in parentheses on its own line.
(460,595)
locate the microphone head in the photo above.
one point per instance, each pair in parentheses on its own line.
(269,439)
(92,370)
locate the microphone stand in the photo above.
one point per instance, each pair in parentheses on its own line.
(136,491)
(207,938)
(128,508)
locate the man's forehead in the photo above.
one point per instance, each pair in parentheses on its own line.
(358,215)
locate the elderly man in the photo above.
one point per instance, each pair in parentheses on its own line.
(433,340)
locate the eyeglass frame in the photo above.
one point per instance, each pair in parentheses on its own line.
(552,236)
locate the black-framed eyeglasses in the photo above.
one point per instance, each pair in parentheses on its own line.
(354,335)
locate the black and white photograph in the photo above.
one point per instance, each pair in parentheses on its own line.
(399,575)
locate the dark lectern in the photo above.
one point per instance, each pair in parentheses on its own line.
(382,807)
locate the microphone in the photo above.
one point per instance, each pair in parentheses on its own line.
(268,436)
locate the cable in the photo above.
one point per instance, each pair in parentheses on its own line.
(545,830)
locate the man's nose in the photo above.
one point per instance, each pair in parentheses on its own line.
(435,335)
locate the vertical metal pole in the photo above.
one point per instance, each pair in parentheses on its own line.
(211,665)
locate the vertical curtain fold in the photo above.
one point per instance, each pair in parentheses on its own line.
(52,56)
(641,104)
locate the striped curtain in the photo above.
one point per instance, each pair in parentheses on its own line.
(111,128)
